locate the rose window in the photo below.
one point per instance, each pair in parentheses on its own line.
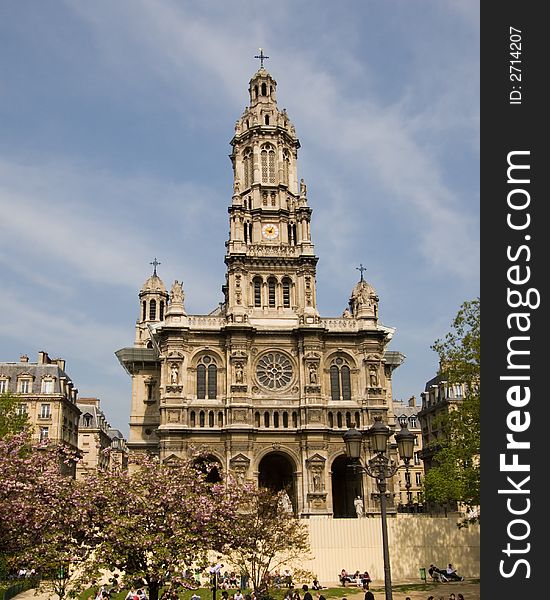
(274,370)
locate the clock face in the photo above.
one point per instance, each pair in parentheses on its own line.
(270,231)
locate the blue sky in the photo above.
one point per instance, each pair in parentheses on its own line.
(116,119)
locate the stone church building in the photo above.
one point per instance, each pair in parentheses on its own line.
(264,384)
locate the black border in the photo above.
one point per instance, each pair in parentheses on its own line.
(509,127)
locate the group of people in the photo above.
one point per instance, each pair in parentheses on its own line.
(359,579)
(448,574)
(133,594)
(451,597)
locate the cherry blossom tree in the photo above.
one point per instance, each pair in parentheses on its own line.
(268,537)
(158,522)
(44,516)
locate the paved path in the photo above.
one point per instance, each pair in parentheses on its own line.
(440,591)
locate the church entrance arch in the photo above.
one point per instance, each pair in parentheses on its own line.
(347,484)
(276,472)
(211,466)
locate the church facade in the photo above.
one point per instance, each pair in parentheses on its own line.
(264,385)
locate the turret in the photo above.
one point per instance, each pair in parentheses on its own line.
(153,303)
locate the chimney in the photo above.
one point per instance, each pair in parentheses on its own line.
(60,363)
(43,358)
(412,401)
(24,358)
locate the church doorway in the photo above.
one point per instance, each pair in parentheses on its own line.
(276,472)
(346,486)
(211,466)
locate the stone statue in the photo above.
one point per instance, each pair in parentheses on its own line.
(316,482)
(176,293)
(286,503)
(174,373)
(312,373)
(358,503)
(346,314)
(236,186)
(373,376)
(303,188)
(239,372)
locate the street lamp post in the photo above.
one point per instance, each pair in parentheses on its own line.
(381,468)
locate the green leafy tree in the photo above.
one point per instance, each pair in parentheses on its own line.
(268,537)
(455,475)
(11,420)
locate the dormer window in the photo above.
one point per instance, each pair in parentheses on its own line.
(3,385)
(47,386)
(87,420)
(24,385)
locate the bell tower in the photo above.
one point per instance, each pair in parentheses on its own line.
(270,256)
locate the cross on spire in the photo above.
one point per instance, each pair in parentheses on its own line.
(262,57)
(155,264)
(361,268)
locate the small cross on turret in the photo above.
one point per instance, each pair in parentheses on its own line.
(262,57)
(155,264)
(361,268)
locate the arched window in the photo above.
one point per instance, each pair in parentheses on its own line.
(266,419)
(192,418)
(207,378)
(271,286)
(152,310)
(357,420)
(339,419)
(330,420)
(248,168)
(285,420)
(220,419)
(201,418)
(294,419)
(286,166)
(267,156)
(348,420)
(266,119)
(161,310)
(340,382)
(255,91)
(275,419)
(143,310)
(286,292)
(264,89)
(334,383)
(257,291)
(257,419)
(211,419)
